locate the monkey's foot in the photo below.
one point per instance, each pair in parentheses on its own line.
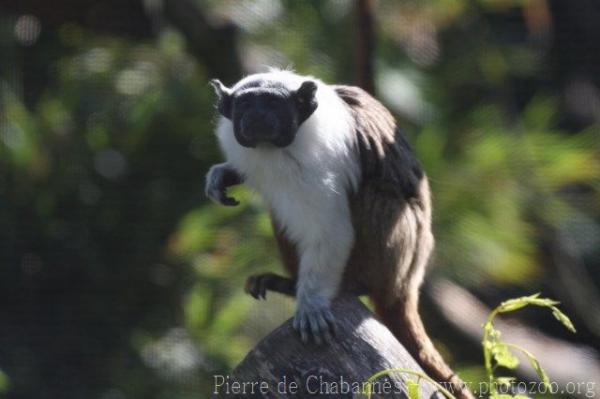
(258,285)
(314,318)
(220,177)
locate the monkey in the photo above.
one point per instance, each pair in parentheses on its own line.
(349,202)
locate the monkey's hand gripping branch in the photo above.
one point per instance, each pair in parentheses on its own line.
(220,177)
(313,317)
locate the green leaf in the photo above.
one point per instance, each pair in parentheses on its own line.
(4,382)
(546,302)
(517,303)
(504,357)
(495,334)
(413,389)
(492,334)
(539,370)
(563,318)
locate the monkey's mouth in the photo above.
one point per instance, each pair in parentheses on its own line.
(264,140)
(245,140)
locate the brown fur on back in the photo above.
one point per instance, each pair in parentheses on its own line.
(391,215)
(391,210)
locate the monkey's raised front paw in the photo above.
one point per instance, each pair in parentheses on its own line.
(314,318)
(220,177)
(257,285)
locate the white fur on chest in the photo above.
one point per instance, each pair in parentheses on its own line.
(305,184)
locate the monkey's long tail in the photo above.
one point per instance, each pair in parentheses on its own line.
(402,318)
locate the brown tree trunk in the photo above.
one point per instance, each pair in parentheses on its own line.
(281,366)
(365,45)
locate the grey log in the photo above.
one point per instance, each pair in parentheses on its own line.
(363,347)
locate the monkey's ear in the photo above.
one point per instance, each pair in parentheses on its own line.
(306,100)
(224,95)
(307,91)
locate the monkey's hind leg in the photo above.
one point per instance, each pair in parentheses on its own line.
(257,285)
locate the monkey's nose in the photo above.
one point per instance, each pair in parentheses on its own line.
(258,130)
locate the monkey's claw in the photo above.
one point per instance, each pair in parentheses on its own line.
(257,286)
(315,320)
(220,177)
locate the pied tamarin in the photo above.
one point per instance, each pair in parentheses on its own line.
(349,202)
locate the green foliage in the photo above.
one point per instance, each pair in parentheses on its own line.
(499,353)
(4,382)
(412,386)
(496,353)
(487,192)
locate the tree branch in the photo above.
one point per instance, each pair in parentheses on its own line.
(366,45)
(363,346)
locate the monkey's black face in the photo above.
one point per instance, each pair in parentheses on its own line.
(264,116)
(266,112)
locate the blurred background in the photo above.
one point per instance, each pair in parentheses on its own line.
(118,279)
